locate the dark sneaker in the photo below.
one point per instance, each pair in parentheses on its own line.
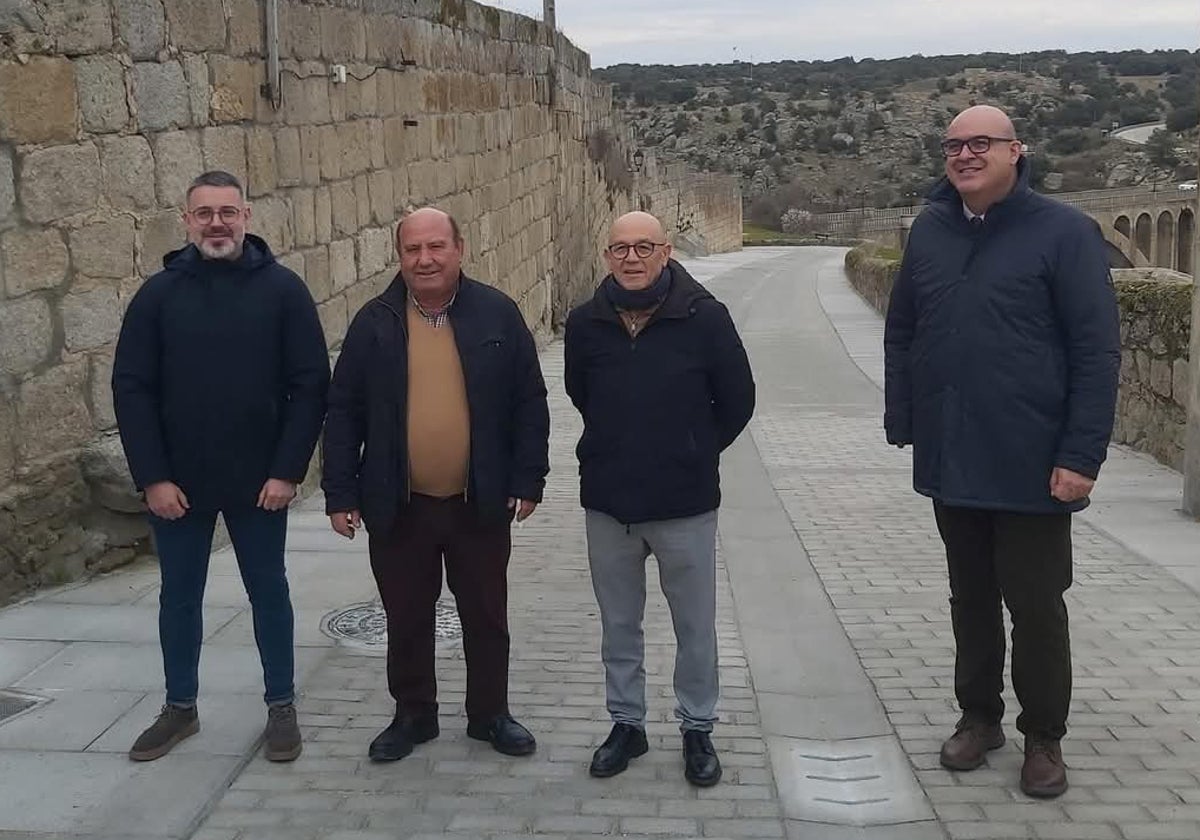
(1043,774)
(624,743)
(401,735)
(172,726)
(701,766)
(282,737)
(505,735)
(969,745)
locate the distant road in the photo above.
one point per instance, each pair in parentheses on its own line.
(1138,134)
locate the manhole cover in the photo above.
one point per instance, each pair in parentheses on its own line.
(12,704)
(365,625)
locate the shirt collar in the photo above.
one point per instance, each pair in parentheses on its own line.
(436,317)
(971,216)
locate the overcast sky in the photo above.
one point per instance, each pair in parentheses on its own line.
(699,31)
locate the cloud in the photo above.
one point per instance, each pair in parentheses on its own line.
(697,31)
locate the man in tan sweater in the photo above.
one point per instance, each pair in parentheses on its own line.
(437,439)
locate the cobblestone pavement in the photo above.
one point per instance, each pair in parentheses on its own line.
(1134,742)
(1133,747)
(454,787)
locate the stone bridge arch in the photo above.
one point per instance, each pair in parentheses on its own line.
(1153,229)
(1143,237)
(1164,240)
(1185,239)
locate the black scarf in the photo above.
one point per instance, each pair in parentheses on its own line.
(638,300)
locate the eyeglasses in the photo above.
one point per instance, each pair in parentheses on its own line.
(227,214)
(978,145)
(643,249)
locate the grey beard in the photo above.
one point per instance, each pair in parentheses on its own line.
(230,252)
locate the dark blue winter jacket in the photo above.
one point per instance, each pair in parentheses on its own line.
(1002,351)
(219,377)
(658,409)
(366,465)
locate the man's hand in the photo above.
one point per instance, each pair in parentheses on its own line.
(166,500)
(346,523)
(276,494)
(523,508)
(1069,486)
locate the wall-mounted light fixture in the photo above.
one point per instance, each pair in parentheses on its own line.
(639,160)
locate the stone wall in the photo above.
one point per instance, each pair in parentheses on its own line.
(1156,314)
(1156,322)
(109,107)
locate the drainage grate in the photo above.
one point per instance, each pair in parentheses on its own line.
(860,781)
(365,625)
(12,704)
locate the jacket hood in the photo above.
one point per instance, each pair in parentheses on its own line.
(944,192)
(256,253)
(684,294)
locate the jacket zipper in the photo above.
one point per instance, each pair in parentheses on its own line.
(407,465)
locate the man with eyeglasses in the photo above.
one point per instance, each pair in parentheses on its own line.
(1001,361)
(656,368)
(219,384)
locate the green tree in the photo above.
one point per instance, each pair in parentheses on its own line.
(1160,149)
(1181,119)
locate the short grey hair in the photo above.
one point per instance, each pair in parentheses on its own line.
(215,178)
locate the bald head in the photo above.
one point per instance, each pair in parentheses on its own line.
(425,216)
(637,223)
(982,119)
(982,154)
(629,234)
(431,252)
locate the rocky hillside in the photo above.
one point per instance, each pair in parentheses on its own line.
(843,134)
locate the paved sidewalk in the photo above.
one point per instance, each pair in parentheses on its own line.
(1133,744)
(835,644)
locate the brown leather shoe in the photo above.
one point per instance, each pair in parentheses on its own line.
(968,746)
(1043,774)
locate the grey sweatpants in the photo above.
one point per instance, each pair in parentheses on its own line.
(686,550)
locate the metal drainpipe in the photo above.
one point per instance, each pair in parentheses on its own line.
(274,90)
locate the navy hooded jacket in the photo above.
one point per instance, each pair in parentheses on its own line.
(1002,351)
(219,377)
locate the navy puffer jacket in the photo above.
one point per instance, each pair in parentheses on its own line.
(1002,351)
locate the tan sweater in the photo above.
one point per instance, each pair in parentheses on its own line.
(439,420)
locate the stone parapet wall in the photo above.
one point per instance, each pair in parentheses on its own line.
(1156,307)
(1156,316)
(109,107)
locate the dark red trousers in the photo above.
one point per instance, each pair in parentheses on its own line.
(407,564)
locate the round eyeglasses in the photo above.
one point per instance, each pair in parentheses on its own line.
(643,249)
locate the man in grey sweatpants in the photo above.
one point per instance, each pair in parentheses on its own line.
(656,368)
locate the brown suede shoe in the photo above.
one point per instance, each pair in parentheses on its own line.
(171,726)
(281,739)
(968,746)
(1043,774)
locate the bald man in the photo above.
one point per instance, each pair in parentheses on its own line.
(437,439)
(1001,358)
(656,368)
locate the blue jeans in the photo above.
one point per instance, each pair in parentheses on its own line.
(184,546)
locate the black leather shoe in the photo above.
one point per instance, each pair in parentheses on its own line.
(625,742)
(401,735)
(700,764)
(505,735)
